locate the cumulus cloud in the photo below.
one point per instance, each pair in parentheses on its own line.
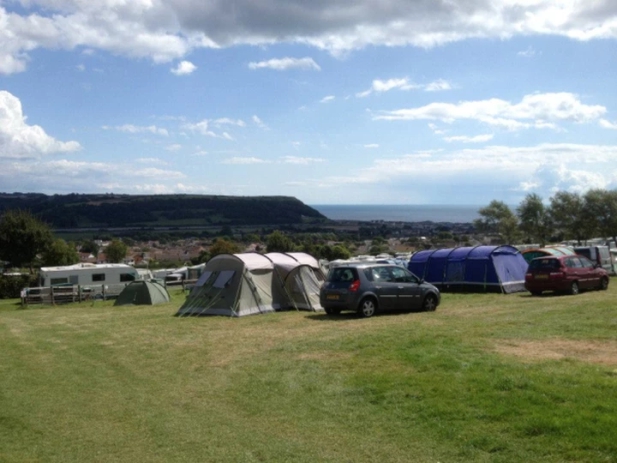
(327,99)
(204,127)
(20,140)
(546,168)
(540,110)
(183,68)
(284,64)
(167,30)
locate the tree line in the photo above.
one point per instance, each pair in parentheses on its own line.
(567,216)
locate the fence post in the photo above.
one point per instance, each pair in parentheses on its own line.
(104,296)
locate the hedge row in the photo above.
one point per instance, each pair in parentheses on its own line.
(11,285)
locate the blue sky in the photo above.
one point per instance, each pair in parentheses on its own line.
(342,102)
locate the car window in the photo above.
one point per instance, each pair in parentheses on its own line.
(403,276)
(573,262)
(341,275)
(586,262)
(544,264)
(381,274)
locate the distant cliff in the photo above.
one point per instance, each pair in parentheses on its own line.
(112,210)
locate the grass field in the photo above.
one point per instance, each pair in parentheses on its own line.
(484,378)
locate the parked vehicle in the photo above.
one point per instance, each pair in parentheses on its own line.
(367,288)
(87,274)
(569,274)
(599,255)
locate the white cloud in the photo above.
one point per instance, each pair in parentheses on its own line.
(20,140)
(183,68)
(527,53)
(534,110)
(608,124)
(259,123)
(327,99)
(228,121)
(371,146)
(174,147)
(284,64)
(467,139)
(166,30)
(300,160)
(381,86)
(244,161)
(130,128)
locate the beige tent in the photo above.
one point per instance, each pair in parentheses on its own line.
(252,283)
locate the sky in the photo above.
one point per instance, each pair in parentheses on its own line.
(329,101)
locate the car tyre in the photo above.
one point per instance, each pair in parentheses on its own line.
(368,307)
(430,303)
(604,283)
(331,311)
(574,290)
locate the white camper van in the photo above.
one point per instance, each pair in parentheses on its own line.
(87,274)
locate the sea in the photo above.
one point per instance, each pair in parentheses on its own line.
(399,213)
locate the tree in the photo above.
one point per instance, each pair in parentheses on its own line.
(498,218)
(116,251)
(566,211)
(534,219)
(60,253)
(22,238)
(600,208)
(223,246)
(278,242)
(89,246)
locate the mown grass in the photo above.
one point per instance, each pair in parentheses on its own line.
(484,378)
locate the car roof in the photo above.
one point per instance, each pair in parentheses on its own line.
(366,265)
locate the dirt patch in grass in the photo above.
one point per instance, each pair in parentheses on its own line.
(600,352)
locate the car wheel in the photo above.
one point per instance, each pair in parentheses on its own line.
(574,288)
(604,283)
(430,303)
(331,311)
(368,307)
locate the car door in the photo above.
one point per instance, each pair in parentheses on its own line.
(384,287)
(589,271)
(408,288)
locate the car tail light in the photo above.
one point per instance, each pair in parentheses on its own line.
(557,275)
(354,286)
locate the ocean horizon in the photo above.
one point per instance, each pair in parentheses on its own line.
(399,212)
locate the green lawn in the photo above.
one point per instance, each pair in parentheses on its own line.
(484,378)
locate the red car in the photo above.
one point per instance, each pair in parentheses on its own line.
(569,274)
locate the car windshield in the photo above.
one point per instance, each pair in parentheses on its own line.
(544,264)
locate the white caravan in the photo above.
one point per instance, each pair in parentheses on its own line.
(87,274)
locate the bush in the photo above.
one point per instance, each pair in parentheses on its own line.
(11,285)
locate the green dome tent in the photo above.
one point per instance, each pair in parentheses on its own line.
(143,293)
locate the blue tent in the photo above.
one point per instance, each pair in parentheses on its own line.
(479,268)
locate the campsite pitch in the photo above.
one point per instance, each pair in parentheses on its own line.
(487,377)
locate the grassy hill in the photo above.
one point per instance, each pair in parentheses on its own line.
(110,210)
(487,377)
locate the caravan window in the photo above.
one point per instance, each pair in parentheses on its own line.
(126,277)
(224,278)
(58,281)
(98,277)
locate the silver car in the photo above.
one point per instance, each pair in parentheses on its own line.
(367,288)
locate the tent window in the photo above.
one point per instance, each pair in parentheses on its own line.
(224,278)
